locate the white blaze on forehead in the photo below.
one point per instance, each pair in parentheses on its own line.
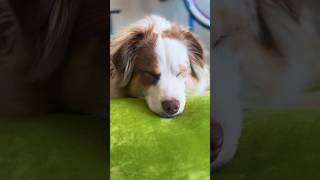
(171,53)
(176,52)
(158,23)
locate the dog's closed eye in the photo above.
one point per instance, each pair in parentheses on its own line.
(182,71)
(179,74)
(182,74)
(150,77)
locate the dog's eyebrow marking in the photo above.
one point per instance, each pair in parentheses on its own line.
(219,40)
(182,67)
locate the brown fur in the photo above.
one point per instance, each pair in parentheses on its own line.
(290,7)
(133,56)
(145,64)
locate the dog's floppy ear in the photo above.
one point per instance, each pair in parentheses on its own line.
(123,48)
(199,69)
(196,52)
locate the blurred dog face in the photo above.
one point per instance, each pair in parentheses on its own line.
(268,48)
(159,62)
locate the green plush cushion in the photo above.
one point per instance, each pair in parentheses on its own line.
(53,147)
(145,146)
(277,145)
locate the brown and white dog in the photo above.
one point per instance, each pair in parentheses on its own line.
(158,61)
(52,56)
(269,49)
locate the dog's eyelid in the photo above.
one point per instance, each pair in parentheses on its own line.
(179,73)
(151,74)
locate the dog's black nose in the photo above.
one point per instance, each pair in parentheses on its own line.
(171,106)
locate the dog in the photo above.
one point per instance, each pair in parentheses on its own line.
(160,62)
(52,56)
(269,49)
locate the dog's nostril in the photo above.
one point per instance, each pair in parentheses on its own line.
(170,106)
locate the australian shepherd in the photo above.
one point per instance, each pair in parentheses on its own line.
(261,48)
(157,61)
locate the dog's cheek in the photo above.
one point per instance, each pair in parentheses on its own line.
(153,99)
(136,89)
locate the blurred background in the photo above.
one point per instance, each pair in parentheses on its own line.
(173,10)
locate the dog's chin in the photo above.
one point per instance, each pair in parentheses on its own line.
(165,115)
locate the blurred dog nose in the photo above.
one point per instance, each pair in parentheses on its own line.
(216,140)
(170,106)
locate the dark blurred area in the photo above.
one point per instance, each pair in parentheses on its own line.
(265,79)
(52,56)
(53,89)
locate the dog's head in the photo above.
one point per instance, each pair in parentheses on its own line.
(159,62)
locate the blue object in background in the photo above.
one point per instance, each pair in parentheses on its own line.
(197,14)
(191,23)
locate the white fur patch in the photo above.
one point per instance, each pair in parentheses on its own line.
(171,53)
(160,24)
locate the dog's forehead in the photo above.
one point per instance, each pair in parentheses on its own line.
(171,53)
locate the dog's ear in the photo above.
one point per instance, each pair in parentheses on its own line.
(200,76)
(123,50)
(195,51)
(195,48)
(199,79)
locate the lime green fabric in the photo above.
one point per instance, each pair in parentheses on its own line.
(147,147)
(277,145)
(53,147)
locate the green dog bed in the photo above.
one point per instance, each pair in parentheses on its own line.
(146,146)
(277,145)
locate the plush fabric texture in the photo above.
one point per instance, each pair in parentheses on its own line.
(146,146)
(53,147)
(277,145)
